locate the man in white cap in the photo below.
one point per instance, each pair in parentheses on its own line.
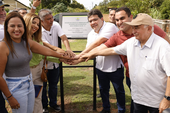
(148,59)
(2,20)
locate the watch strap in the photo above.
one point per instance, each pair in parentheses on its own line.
(167,97)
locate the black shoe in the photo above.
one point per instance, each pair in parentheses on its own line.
(45,110)
(103,111)
(56,108)
(98,95)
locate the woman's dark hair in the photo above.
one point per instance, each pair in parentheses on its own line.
(7,36)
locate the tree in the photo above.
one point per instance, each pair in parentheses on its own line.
(7,10)
(51,3)
(59,7)
(113,3)
(104,6)
(138,6)
(165,9)
(75,4)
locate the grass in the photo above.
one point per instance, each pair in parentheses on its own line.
(78,87)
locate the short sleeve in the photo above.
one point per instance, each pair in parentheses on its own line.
(159,31)
(111,42)
(58,29)
(110,31)
(122,48)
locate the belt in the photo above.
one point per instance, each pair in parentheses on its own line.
(34,66)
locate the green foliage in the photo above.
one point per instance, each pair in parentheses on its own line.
(59,7)
(154,13)
(156,3)
(70,9)
(51,3)
(7,10)
(104,6)
(75,4)
(113,4)
(165,9)
(138,6)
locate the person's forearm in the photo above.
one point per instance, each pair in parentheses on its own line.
(167,93)
(94,45)
(103,52)
(4,87)
(53,47)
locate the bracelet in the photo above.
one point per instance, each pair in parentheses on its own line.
(33,7)
(9,96)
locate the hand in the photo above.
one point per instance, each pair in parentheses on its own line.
(87,56)
(73,62)
(77,56)
(63,60)
(164,105)
(13,103)
(36,3)
(70,53)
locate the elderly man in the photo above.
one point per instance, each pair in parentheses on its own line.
(148,59)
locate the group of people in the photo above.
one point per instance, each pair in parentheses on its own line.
(22,40)
(136,44)
(146,52)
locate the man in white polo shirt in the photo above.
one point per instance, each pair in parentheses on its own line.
(51,30)
(149,65)
(109,68)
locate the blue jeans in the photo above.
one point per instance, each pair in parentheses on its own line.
(22,89)
(116,79)
(53,78)
(2,104)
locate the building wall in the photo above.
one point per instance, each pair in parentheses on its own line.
(14,4)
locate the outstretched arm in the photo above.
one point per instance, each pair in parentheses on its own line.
(38,48)
(93,45)
(59,50)
(98,52)
(67,45)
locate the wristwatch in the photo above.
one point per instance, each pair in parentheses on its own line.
(167,97)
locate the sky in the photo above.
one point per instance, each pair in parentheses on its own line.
(89,4)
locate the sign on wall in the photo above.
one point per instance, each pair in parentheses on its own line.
(75,26)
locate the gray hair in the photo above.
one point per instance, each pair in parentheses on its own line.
(43,12)
(148,25)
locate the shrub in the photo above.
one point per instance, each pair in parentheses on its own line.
(165,9)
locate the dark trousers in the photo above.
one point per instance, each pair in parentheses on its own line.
(116,79)
(2,104)
(128,84)
(53,78)
(138,108)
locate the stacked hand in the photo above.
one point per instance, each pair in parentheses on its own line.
(74,60)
